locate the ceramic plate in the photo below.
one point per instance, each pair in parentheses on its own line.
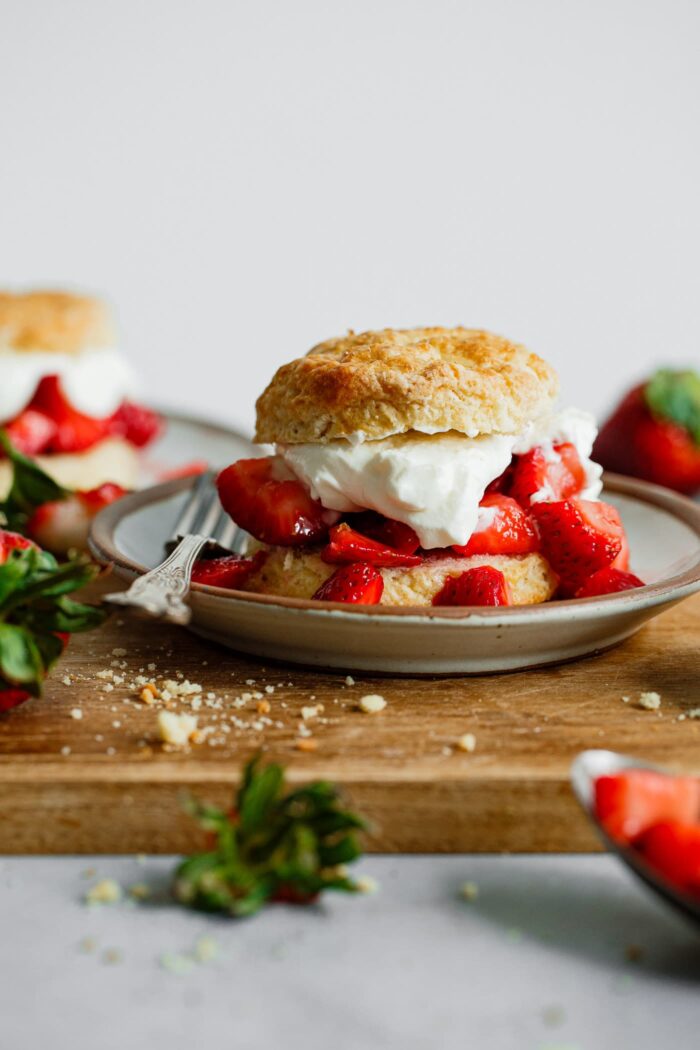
(664,534)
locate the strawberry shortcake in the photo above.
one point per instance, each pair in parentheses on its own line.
(421,467)
(66,391)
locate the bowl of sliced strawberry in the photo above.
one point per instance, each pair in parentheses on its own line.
(649,818)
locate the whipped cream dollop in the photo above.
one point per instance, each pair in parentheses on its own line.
(434,483)
(95,381)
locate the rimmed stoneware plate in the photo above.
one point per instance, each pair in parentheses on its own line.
(664,534)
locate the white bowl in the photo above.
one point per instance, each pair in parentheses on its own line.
(664,535)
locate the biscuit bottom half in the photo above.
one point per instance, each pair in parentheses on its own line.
(298,574)
(114,460)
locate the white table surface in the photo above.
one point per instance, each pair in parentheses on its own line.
(537,962)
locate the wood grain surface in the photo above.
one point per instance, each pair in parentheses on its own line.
(104,783)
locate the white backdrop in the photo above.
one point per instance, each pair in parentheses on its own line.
(244,179)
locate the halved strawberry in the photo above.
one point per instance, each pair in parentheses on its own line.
(74,432)
(672,848)
(347,545)
(578,538)
(628,803)
(547,474)
(11,541)
(395,534)
(63,525)
(264,498)
(136,423)
(608,581)
(12,697)
(501,484)
(503,527)
(229,571)
(31,432)
(359,583)
(483,585)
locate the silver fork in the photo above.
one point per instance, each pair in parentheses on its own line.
(161,593)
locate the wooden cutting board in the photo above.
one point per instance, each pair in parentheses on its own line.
(104,783)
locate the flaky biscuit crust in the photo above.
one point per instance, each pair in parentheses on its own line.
(392,381)
(58,322)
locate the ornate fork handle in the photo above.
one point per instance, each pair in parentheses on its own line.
(161,592)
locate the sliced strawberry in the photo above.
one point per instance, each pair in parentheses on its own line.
(10,698)
(11,541)
(546,474)
(483,585)
(31,432)
(347,545)
(628,803)
(360,584)
(229,571)
(501,484)
(578,538)
(672,848)
(74,432)
(395,534)
(263,498)
(503,527)
(136,423)
(608,581)
(95,499)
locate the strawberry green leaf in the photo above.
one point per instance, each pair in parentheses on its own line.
(20,657)
(676,396)
(273,845)
(31,487)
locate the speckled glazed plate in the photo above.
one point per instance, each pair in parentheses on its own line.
(664,534)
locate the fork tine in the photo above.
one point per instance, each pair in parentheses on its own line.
(184,523)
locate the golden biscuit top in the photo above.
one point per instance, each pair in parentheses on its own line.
(388,382)
(58,322)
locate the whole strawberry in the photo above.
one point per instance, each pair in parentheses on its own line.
(654,433)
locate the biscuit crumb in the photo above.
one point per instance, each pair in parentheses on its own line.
(106,891)
(77,713)
(650,701)
(348,681)
(263,707)
(306,744)
(469,891)
(372,704)
(366,884)
(467,743)
(176,729)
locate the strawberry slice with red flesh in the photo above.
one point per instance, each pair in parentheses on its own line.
(503,528)
(12,541)
(578,538)
(31,432)
(394,534)
(263,498)
(347,545)
(555,475)
(672,848)
(230,570)
(136,423)
(628,803)
(357,584)
(608,581)
(75,432)
(482,585)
